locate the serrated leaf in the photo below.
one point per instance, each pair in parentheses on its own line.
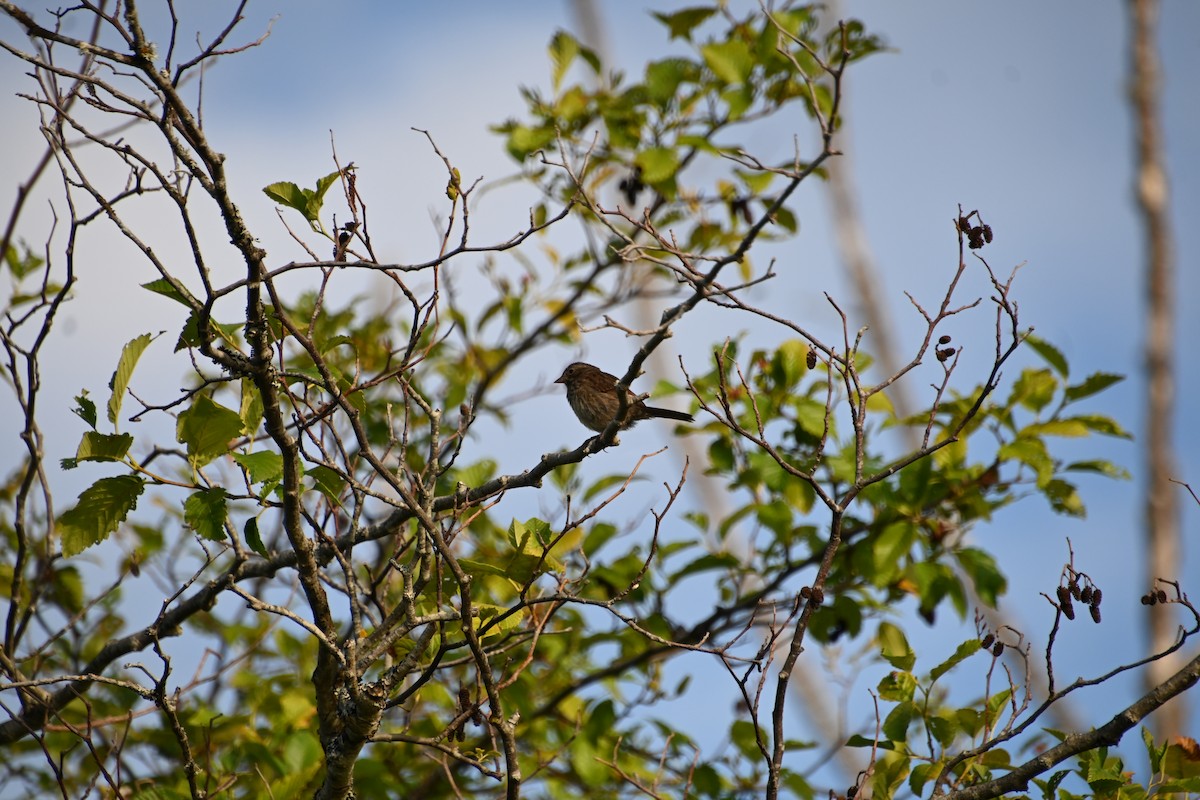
(1106,468)
(85,409)
(1049,353)
(1092,384)
(120,378)
(204,511)
(207,428)
(680,24)
(164,287)
(100,510)
(964,651)
(103,447)
(895,725)
(493,622)
(563,49)
(288,194)
(1106,426)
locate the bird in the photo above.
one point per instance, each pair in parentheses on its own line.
(592,393)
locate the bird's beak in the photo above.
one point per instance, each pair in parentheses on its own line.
(562,378)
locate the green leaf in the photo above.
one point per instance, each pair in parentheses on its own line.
(251,411)
(1050,787)
(730,61)
(327,482)
(22,265)
(965,650)
(1049,353)
(1031,452)
(1153,752)
(473,567)
(120,379)
(1093,384)
(307,201)
(1034,389)
(705,563)
(1064,498)
(205,513)
(288,194)
(103,447)
(742,734)
(263,466)
(681,23)
(658,164)
(254,538)
(493,622)
(1106,468)
(85,409)
(894,647)
(1057,427)
(897,687)
(524,140)
(663,79)
(166,289)
(791,356)
(890,547)
(317,198)
(101,508)
(1106,426)
(895,726)
(207,428)
(922,774)
(981,567)
(563,49)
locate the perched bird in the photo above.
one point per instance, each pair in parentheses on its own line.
(592,393)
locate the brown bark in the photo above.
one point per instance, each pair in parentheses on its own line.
(1161,505)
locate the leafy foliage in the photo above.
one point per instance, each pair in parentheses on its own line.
(332,484)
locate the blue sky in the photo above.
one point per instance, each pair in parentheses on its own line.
(1016,109)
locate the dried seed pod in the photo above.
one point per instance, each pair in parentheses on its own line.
(1148,599)
(987,642)
(944,339)
(818,595)
(1085,595)
(1095,611)
(1064,595)
(998,649)
(1096,595)
(1162,596)
(811,358)
(851,792)
(1075,588)
(945,353)
(987,233)
(806,592)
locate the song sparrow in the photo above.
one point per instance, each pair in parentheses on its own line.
(593,397)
